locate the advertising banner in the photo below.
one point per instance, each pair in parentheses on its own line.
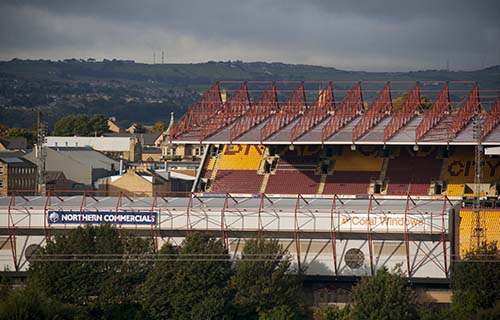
(101,217)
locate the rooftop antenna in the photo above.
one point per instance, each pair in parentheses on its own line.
(478,230)
(162,57)
(41,153)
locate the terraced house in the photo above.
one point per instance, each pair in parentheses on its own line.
(16,174)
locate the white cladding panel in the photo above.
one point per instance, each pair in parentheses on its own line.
(110,144)
(426,255)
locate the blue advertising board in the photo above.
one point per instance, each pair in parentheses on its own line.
(100,217)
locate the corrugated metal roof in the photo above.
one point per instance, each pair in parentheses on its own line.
(111,144)
(11,160)
(87,156)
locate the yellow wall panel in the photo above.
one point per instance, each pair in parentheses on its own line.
(491,220)
(241,157)
(356,161)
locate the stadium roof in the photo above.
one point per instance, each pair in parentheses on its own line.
(243,202)
(344,112)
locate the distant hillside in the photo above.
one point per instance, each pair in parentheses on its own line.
(148,93)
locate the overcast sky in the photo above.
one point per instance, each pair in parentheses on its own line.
(388,35)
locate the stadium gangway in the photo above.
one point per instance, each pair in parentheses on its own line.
(350,106)
(198,205)
(206,107)
(235,106)
(261,109)
(379,109)
(439,109)
(324,104)
(470,107)
(492,120)
(410,107)
(291,110)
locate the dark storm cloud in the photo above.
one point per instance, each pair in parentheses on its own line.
(374,35)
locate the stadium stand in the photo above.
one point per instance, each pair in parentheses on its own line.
(237,181)
(354,169)
(455,190)
(349,182)
(210,164)
(241,157)
(293,181)
(458,171)
(491,224)
(395,170)
(296,171)
(235,169)
(351,160)
(412,173)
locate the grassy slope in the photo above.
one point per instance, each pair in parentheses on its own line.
(205,73)
(180,76)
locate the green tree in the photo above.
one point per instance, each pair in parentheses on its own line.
(30,304)
(283,312)
(475,281)
(333,313)
(383,296)
(159,126)
(89,267)
(28,134)
(81,125)
(3,130)
(190,282)
(262,282)
(397,103)
(432,312)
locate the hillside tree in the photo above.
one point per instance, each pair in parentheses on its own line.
(91,266)
(386,295)
(264,283)
(159,126)
(81,125)
(28,134)
(190,282)
(475,281)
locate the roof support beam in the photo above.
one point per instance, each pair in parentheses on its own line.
(436,113)
(409,108)
(295,105)
(237,105)
(379,109)
(492,120)
(350,106)
(324,104)
(470,106)
(205,108)
(261,109)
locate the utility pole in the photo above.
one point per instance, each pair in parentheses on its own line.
(40,152)
(478,226)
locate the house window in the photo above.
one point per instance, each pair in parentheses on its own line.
(198,151)
(1,184)
(1,169)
